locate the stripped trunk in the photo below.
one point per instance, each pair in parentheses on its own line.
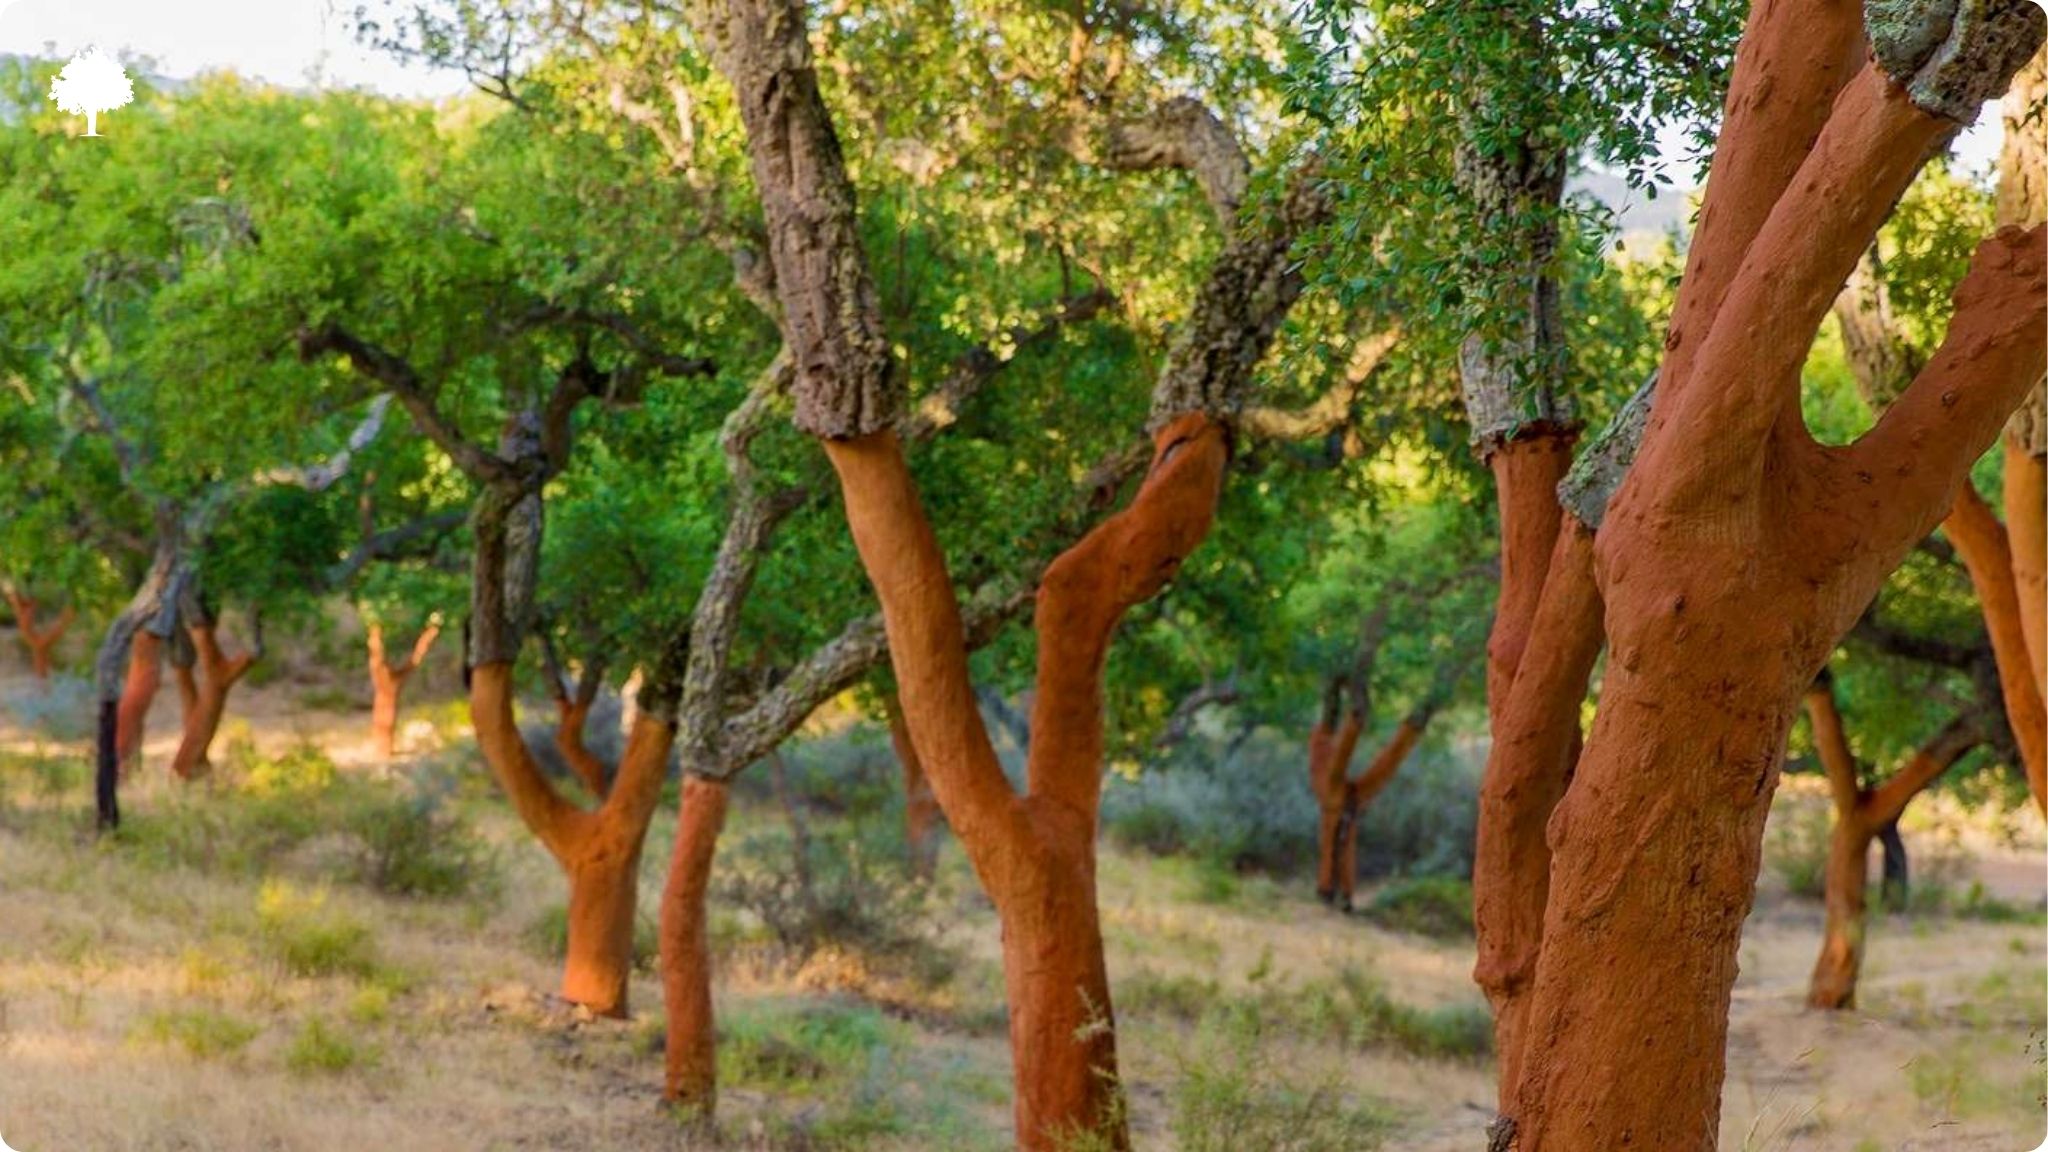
(572,716)
(1731,504)
(1329,762)
(1983,544)
(387,684)
(218,674)
(40,642)
(691,1078)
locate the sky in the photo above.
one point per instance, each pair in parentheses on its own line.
(289,42)
(304,42)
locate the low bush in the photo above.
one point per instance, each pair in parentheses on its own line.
(306,938)
(414,845)
(1230,1096)
(1435,906)
(60,708)
(204,1034)
(320,1049)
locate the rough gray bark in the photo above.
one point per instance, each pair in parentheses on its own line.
(1512,377)
(846,382)
(1184,133)
(1953,55)
(1882,363)
(1240,307)
(2022,200)
(1603,463)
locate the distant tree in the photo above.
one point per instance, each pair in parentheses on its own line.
(92,83)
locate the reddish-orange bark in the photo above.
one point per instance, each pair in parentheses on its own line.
(691,1077)
(2026,519)
(1982,543)
(921,814)
(1535,745)
(571,716)
(217,675)
(1329,762)
(598,849)
(40,642)
(1730,504)
(387,683)
(138,692)
(1859,813)
(1526,472)
(1034,854)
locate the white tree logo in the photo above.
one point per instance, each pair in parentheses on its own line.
(91,84)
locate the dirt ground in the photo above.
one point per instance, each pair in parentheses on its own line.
(139,1010)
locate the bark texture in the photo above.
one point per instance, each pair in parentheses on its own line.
(691,1078)
(218,673)
(1730,504)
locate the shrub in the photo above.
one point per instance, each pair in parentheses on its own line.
(203,1033)
(839,891)
(60,708)
(1796,845)
(320,1050)
(1436,906)
(411,845)
(1230,1096)
(799,1049)
(307,939)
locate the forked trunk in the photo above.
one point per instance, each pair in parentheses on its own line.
(387,684)
(218,674)
(1329,762)
(40,642)
(690,1081)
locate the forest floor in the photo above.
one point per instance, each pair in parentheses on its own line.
(179,988)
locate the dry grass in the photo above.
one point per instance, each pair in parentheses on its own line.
(149,1008)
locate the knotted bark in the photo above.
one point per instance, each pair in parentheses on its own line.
(387,683)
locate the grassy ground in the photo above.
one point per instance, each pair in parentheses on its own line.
(236,972)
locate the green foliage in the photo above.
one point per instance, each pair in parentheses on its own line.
(321,1049)
(306,938)
(1439,906)
(1233,1094)
(414,845)
(204,1033)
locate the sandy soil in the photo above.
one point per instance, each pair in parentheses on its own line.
(1945,1053)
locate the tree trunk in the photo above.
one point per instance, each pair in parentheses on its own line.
(217,676)
(599,850)
(1329,762)
(1535,746)
(1898,880)
(2026,519)
(691,1078)
(1526,472)
(921,815)
(1062,1028)
(387,684)
(1841,952)
(1982,543)
(145,676)
(40,642)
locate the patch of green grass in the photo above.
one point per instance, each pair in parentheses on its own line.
(803,1049)
(1230,1096)
(308,939)
(1436,906)
(1951,1082)
(320,1050)
(204,1034)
